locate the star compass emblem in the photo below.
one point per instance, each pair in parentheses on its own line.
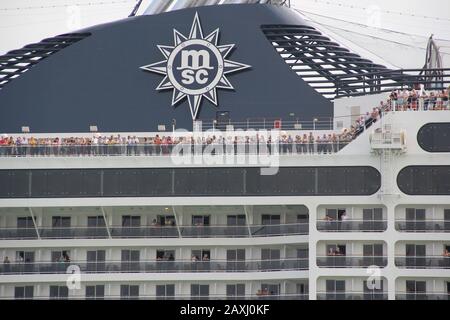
(195,67)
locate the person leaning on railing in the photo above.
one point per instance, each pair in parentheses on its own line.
(3,145)
(414,100)
(310,143)
(334,141)
(32,142)
(298,144)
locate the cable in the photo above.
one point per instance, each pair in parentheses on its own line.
(385,62)
(366,26)
(383,39)
(68,5)
(39,13)
(385,11)
(85,15)
(373,37)
(383,59)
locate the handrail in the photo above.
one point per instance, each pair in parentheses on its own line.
(356,256)
(352,292)
(436,225)
(164,150)
(401,295)
(433,256)
(422,221)
(423,262)
(352,295)
(426,293)
(350,261)
(294,296)
(350,225)
(71,262)
(351,220)
(216,231)
(158,226)
(156,266)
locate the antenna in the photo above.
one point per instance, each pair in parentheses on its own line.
(135,9)
(433,61)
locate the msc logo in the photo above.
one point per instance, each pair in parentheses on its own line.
(195,67)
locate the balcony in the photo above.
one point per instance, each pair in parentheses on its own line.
(18,233)
(352,295)
(155,266)
(144,232)
(53,233)
(352,226)
(73,233)
(351,261)
(425,262)
(422,296)
(422,226)
(215,231)
(287,296)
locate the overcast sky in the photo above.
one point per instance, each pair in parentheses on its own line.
(394,33)
(27,21)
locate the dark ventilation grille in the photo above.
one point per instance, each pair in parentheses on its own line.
(317,59)
(16,62)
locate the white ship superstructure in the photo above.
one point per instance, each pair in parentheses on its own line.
(291,181)
(268,246)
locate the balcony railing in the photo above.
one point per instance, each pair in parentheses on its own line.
(352,226)
(294,296)
(144,232)
(284,148)
(427,262)
(322,123)
(423,226)
(214,231)
(18,233)
(422,296)
(73,233)
(351,261)
(155,266)
(371,295)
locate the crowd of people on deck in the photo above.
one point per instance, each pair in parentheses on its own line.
(164,145)
(422,100)
(398,100)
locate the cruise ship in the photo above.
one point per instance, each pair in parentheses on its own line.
(221,150)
